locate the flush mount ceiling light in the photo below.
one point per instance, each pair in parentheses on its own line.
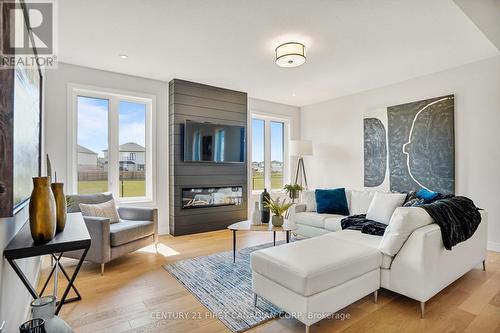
(290,54)
(123,56)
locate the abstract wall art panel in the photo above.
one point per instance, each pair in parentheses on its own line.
(27,87)
(419,149)
(375,151)
(20,119)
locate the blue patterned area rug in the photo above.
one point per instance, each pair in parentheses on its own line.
(225,288)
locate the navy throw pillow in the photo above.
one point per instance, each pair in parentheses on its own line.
(332,201)
(428,196)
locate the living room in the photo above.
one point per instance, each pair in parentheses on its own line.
(234,166)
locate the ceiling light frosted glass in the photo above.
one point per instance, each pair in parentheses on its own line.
(291,54)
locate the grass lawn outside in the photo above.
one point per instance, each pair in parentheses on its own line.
(137,188)
(130,188)
(276,181)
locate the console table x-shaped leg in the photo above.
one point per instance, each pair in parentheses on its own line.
(55,267)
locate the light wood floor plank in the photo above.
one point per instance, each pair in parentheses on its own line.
(482,295)
(485,322)
(135,288)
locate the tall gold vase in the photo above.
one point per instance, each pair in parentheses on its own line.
(58,190)
(42,211)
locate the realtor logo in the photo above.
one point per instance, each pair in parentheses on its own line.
(28,25)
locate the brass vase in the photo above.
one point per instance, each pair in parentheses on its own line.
(42,211)
(58,190)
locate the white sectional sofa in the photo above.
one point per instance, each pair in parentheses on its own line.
(315,277)
(312,224)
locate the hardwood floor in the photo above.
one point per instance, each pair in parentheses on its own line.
(135,289)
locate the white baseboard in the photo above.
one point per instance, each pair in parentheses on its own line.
(493,246)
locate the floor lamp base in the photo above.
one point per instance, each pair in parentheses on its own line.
(301,171)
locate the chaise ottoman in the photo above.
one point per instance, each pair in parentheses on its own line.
(316,277)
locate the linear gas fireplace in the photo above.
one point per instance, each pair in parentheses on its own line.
(201,197)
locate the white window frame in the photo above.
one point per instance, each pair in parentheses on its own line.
(268,118)
(114,96)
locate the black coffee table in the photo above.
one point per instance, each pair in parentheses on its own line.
(287,227)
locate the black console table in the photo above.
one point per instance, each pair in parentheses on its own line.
(74,237)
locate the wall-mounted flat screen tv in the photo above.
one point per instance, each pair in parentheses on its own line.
(216,143)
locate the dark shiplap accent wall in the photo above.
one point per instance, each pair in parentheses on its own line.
(202,103)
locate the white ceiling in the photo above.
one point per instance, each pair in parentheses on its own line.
(486,16)
(352,45)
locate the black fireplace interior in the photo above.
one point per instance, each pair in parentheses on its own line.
(201,197)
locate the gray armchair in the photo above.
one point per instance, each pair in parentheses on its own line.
(138,227)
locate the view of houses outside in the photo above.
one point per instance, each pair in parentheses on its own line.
(258,175)
(93,175)
(93,139)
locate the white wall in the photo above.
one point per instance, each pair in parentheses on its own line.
(14,297)
(279,110)
(336,128)
(56,120)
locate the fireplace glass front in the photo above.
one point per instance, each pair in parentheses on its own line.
(201,197)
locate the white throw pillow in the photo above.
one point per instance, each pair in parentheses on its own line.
(348,198)
(383,205)
(404,221)
(106,209)
(309,198)
(360,201)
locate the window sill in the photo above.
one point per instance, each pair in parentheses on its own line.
(122,201)
(276,191)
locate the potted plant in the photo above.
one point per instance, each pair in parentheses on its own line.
(278,207)
(293,191)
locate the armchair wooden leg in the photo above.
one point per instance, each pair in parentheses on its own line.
(156,247)
(375,296)
(484,265)
(102,269)
(422,309)
(307,328)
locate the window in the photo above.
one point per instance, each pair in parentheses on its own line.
(132,139)
(92,144)
(269,165)
(111,148)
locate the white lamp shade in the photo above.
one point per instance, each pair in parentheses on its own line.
(290,54)
(301,148)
